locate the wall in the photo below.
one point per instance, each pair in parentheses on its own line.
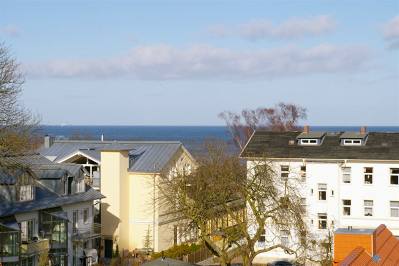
(346,243)
(115,187)
(330,173)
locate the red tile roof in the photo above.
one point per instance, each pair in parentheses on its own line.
(386,251)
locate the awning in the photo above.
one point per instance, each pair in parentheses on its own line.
(13,225)
(60,214)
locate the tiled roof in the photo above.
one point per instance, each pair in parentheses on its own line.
(149,156)
(386,251)
(379,146)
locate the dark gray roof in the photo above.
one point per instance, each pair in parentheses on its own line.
(379,146)
(150,156)
(45,199)
(311,135)
(357,231)
(353,135)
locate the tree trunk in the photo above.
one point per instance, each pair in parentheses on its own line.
(246,260)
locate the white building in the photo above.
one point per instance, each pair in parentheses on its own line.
(348,179)
(46,213)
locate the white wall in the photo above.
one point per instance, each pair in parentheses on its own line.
(330,173)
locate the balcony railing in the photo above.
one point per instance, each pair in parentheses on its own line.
(85,232)
(35,247)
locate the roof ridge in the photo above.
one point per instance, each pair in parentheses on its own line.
(120,141)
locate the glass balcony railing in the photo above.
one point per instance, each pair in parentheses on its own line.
(9,244)
(35,247)
(88,231)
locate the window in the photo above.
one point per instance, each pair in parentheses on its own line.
(394,208)
(352,142)
(81,186)
(346,207)
(303,173)
(284,171)
(86,216)
(75,219)
(368,175)
(322,191)
(322,217)
(25,193)
(309,142)
(262,237)
(368,208)
(346,175)
(27,230)
(284,235)
(394,176)
(303,205)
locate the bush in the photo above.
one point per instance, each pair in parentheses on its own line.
(177,252)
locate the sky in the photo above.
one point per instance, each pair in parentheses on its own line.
(182,62)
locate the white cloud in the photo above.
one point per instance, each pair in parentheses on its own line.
(10,30)
(391,33)
(265,29)
(201,61)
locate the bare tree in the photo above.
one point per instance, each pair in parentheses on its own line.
(230,211)
(16,123)
(282,117)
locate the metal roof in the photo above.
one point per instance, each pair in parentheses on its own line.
(45,199)
(147,156)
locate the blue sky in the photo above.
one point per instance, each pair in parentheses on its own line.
(183,62)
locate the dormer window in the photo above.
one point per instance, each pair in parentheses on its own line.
(307,138)
(26,193)
(352,142)
(309,141)
(353,138)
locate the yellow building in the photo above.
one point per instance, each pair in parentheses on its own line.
(131,212)
(126,173)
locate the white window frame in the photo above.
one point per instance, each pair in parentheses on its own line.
(303,173)
(345,205)
(309,142)
(352,142)
(368,208)
(321,218)
(86,218)
(322,190)
(284,174)
(285,237)
(346,174)
(262,237)
(394,207)
(26,231)
(368,174)
(26,193)
(394,172)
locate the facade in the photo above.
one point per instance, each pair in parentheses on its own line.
(360,247)
(46,213)
(128,172)
(347,179)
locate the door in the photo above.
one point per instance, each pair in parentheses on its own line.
(108,248)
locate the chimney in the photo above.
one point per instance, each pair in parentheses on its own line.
(48,141)
(306,129)
(363,130)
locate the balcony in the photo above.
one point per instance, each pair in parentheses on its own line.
(89,231)
(35,247)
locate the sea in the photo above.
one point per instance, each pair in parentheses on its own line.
(193,137)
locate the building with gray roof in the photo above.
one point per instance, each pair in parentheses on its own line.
(45,209)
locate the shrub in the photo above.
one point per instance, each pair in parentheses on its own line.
(178,251)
